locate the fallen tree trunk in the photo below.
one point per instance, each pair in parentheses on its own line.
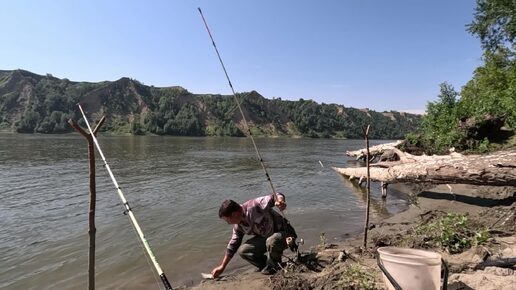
(375,150)
(495,169)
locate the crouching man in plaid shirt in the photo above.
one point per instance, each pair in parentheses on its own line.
(256,217)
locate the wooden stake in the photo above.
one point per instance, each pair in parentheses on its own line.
(366,226)
(93,198)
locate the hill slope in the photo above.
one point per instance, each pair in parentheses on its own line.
(34,103)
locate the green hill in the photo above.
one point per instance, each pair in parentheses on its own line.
(31,103)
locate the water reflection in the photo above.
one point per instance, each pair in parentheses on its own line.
(378,204)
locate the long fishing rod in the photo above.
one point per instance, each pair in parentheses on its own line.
(240,109)
(128,210)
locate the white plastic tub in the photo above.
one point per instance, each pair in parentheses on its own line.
(412,269)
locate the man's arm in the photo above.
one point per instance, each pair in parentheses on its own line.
(267,202)
(219,269)
(234,243)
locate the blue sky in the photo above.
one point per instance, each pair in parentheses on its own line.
(383,55)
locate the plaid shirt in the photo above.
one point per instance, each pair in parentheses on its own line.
(257,221)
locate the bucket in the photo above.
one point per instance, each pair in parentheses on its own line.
(411,269)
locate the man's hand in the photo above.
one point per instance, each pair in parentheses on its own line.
(280,202)
(217,271)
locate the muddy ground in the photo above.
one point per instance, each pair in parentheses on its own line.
(478,243)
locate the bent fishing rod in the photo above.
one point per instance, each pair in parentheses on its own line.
(128,209)
(240,109)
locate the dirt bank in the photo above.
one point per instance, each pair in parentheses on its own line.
(473,228)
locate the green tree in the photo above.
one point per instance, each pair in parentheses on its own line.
(493,87)
(151,122)
(28,122)
(492,90)
(61,122)
(495,24)
(186,123)
(490,93)
(440,123)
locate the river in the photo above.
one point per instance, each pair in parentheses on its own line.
(175,186)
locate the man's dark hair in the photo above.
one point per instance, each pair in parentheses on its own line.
(228,207)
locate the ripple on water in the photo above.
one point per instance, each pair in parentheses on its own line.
(175,186)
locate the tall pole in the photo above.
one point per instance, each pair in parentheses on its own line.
(93,199)
(128,210)
(366,226)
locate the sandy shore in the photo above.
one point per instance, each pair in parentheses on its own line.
(494,208)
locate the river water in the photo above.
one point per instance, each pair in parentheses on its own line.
(175,186)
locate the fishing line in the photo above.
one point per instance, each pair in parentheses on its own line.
(292,244)
(128,209)
(240,109)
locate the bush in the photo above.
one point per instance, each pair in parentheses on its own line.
(355,277)
(453,233)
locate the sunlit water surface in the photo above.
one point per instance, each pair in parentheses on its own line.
(175,187)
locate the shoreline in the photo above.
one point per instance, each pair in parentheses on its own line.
(473,201)
(126,134)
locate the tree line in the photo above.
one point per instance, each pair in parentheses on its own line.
(31,103)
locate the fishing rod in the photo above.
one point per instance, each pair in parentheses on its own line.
(128,209)
(241,112)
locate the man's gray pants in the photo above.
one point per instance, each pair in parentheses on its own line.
(262,252)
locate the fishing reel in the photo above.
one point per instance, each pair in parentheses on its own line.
(293,245)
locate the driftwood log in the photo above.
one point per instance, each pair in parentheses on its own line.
(495,169)
(374,151)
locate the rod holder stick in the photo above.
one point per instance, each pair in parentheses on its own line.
(127,208)
(92,199)
(366,224)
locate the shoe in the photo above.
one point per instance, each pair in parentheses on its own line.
(268,270)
